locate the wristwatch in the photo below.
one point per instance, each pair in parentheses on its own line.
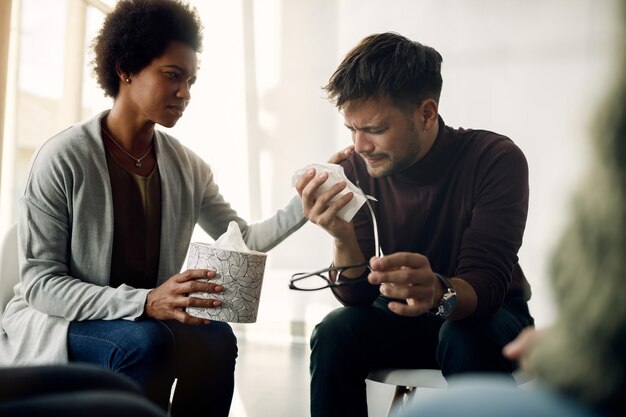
(448,301)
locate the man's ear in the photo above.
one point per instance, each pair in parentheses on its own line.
(428,113)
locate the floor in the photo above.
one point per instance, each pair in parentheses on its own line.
(272,379)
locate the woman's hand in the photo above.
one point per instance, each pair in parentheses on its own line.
(341,155)
(169,300)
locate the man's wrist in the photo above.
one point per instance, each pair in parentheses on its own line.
(347,251)
(446,303)
(346,241)
(439,292)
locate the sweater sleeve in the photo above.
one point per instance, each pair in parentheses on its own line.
(491,241)
(360,294)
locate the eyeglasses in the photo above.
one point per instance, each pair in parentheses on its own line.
(318,280)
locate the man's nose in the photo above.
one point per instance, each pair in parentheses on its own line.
(362,142)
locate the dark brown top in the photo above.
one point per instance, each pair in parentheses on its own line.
(463,206)
(137,226)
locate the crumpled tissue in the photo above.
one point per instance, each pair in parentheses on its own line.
(232,239)
(335,175)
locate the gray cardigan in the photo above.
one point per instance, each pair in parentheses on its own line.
(65,235)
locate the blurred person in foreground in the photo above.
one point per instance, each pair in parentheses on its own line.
(580,361)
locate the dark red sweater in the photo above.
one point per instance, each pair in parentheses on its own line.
(463,206)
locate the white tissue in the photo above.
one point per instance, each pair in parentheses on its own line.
(335,175)
(232,239)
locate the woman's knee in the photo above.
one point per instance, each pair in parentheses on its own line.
(146,343)
(225,345)
(197,343)
(205,350)
(116,343)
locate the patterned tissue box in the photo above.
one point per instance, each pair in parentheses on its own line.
(240,273)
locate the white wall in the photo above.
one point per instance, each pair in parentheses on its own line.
(533,70)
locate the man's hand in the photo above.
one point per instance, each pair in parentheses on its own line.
(169,300)
(407,276)
(318,209)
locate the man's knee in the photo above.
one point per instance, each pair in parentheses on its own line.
(338,328)
(471,346)
(464,334)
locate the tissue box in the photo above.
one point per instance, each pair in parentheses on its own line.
(241,274)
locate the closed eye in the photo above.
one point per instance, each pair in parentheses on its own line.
(374,130)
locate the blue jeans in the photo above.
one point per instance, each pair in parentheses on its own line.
(153,353)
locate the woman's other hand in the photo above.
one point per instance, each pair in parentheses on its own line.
(169,300)
(341,155)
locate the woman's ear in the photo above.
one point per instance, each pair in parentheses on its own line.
(123,76)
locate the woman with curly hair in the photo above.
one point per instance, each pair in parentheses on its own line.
(106,218)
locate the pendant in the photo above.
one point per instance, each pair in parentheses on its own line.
(138,164)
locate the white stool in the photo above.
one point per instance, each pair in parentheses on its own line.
(408,380)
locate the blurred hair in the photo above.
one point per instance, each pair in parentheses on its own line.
(137,31)
(387,64)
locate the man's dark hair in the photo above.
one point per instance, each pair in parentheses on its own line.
(136,32)
(387,64)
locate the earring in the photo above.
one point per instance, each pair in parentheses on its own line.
(127,80)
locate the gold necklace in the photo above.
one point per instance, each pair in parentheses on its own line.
(137,161)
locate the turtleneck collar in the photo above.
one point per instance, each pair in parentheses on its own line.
(434,163)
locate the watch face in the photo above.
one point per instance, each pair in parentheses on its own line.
(447,303)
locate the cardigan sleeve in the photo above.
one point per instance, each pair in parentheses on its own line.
(261,236)
(45,236)
(266,234)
